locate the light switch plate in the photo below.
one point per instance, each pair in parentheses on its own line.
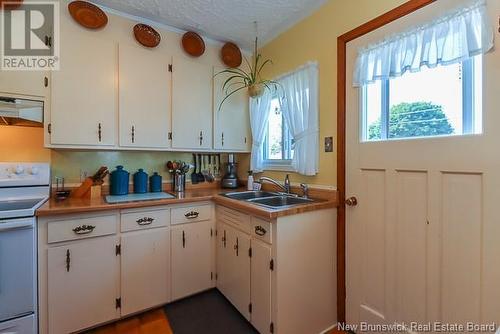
(328,144)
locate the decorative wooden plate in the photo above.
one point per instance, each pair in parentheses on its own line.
(13,4)
(231,55)
(193,44)
(87,14)
(146,35)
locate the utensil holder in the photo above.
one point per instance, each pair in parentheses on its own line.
(178,182)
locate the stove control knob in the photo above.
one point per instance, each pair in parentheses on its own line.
(19,169)
(34,170)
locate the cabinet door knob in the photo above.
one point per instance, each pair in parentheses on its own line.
(351,201)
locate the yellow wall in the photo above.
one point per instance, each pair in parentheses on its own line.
(315,38)
(22,144)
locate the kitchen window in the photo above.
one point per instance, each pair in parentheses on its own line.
(439,101)
(277,151)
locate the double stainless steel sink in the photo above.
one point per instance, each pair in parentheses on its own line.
(268,199)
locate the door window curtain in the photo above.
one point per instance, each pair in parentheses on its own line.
(299,104)
(457,36)
(259,118)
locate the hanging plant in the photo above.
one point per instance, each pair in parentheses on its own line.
(250,79)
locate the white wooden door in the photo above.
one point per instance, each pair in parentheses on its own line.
(237,277)
(191,104)
(232,120)
(260,278)
(145,97)
(424,238)
(84,93)
(191,258)
(145,269)
(83,284)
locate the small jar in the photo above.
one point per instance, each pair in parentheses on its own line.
(155,183)
(119,180)
(140,182)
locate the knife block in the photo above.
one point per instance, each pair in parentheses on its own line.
(95,192)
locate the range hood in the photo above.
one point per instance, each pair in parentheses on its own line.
(21,112)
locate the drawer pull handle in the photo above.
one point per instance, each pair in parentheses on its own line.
(145,221)
(183,239)
(259,230)
(192,215)
(84,229)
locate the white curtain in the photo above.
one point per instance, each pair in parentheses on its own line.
(299,104)
(454,37)
(259,118)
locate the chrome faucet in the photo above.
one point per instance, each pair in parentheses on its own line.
(285,186)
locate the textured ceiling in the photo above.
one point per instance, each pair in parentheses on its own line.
(223,20)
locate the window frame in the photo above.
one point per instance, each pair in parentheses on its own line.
(469,67)
(287,140)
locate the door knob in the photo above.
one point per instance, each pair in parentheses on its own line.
(351,201)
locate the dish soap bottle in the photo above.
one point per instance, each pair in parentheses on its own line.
(250,180)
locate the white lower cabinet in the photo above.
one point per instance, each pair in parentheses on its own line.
(83,284)
(192,258)
(244,269)
(145,269)
(260,285)
(235,268)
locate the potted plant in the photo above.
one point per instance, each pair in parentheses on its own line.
(251,79)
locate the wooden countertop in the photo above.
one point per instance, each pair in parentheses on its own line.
(80,205)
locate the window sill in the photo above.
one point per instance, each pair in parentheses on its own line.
(282,166)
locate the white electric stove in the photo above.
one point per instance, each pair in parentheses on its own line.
(23,188)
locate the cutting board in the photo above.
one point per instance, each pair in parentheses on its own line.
(113,199)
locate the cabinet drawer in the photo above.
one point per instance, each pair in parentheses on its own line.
(262,229)
(232,217)
(80,228)
(144,219)
(191,214)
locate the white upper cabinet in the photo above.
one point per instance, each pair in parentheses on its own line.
(232,121)
(145,97)
(191,105)
(84,93)
(31,83)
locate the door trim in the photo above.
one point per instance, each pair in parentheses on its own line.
(386,18)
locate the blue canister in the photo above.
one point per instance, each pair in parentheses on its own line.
(140,182)
(119,179)
(155,183)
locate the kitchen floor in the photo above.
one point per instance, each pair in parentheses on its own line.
(207,313)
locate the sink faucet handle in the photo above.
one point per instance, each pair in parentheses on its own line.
(305,190)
